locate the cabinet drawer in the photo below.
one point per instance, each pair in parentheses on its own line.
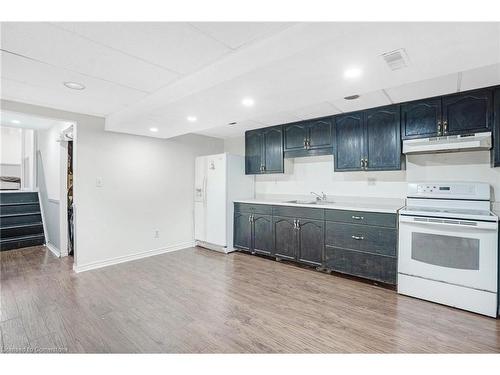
(298,212)
(369,266)
(360,217)
(264,209)
(375,240)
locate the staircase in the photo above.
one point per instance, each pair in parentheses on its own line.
(20,220)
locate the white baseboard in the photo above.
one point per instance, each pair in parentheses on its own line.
(54,250)
(127,258)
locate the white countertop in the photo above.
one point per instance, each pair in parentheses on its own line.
(371,204)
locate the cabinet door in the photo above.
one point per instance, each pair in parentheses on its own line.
(262,234)
(420,119)
(295,136)
(496,131)
(349,145)
(273,149)
(467,112)
(320,133)
(242,231)
(285,237)
(311,241)
(383,138)
(253,152)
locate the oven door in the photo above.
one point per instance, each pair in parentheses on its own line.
(459,252)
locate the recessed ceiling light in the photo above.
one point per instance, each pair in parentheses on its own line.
(232,123)
(16,121)
(248,102)
(352,73)
(154,130)
(351,97)
(74,85)
(192,118)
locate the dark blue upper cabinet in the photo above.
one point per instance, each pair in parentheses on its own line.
(320,134)
(295,136)
(307,138)
(349,142)
(421,119)
(467,112)
(253,152)
(383,138)
(264,150)
(495,157)
(273,149)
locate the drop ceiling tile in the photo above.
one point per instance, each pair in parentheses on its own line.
(231,131)
(480,77)
(38,83)
(446,84)
(235,34)
(316,110)
(173,45)
(61,48)
(368,100)
(277,118)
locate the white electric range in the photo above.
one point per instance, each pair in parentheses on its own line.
(448,246)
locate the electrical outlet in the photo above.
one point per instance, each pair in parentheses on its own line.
(157,234)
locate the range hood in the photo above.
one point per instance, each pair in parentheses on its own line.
(450,143)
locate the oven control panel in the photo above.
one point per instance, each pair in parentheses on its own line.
(449,190)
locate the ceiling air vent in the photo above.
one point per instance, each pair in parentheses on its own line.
(397,59)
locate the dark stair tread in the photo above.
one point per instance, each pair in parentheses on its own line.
(18,203)
(21,214)
(25,225)
(22,238)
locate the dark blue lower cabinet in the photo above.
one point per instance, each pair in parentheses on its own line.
(311,241)
(242,235)
(357,263)
(357,243)
(262,234)
(285,237)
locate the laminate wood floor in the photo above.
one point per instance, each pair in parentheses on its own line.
(199,301)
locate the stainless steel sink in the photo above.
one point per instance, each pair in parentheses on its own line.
(309,202)
(296,201)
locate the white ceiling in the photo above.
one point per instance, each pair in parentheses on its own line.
(21,120)
(140,75)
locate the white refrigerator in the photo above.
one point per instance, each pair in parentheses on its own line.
(220,179)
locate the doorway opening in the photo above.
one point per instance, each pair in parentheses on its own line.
(43,166)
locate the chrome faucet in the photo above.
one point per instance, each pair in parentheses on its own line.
(319,197)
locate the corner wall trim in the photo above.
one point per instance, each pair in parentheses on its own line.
(54,250)
(127,258)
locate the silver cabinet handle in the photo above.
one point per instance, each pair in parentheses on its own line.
(357,237)
(250,219)
(445,127)
(439,128)
(298,224)
(366,164)
(294,224)
(357,217)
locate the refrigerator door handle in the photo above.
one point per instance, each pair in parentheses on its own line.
(205,189)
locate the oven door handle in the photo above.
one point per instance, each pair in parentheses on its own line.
(470,224)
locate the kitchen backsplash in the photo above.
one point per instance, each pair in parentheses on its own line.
(307,174)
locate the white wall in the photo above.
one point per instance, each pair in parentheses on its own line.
(11,145)
(49,153)
(304,175)
(147,185)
